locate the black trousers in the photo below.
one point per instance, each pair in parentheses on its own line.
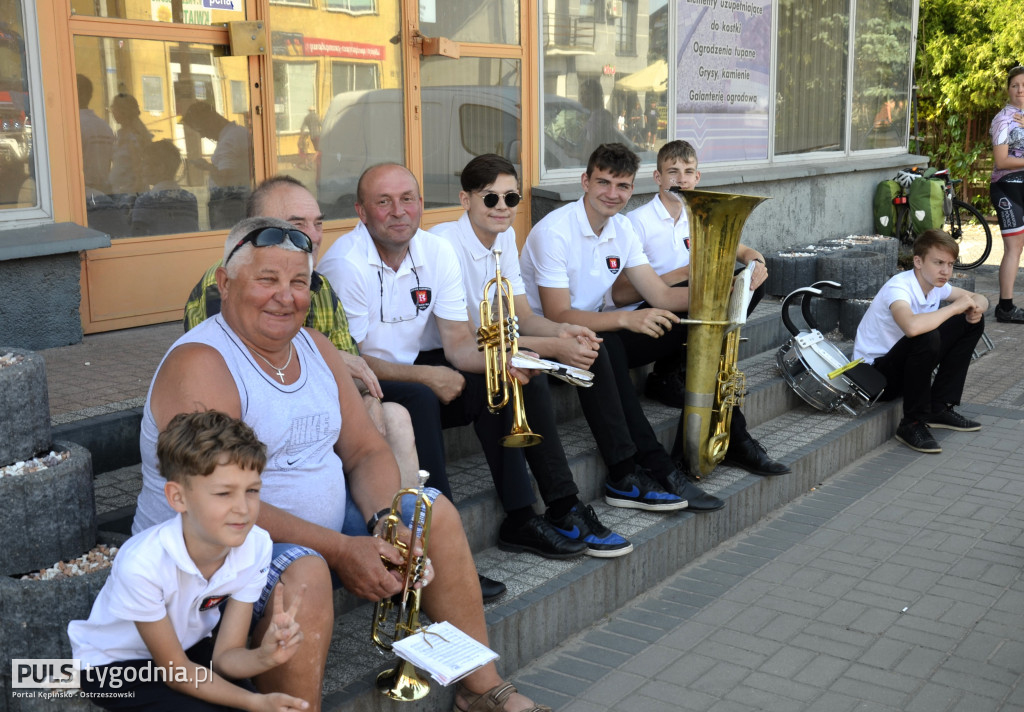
(908,367)
(614,414)
(507,465)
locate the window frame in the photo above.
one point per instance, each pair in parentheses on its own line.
(844,153)
(42,212)
(349,11)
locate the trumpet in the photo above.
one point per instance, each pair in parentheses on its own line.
(403,682)
(498,338)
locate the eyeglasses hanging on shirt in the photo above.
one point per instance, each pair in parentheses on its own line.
(419,299)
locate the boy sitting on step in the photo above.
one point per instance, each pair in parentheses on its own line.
(905,335)
(148,643)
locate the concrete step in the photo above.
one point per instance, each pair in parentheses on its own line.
(549,600)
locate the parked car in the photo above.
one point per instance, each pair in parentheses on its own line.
(363,128)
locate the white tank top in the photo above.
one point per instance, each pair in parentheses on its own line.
(299,423)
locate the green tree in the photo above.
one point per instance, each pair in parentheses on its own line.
(964,48)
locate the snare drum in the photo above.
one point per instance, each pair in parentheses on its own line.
(805,361)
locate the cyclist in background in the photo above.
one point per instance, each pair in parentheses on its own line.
(1007,191)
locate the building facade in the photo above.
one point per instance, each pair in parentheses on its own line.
(133,130)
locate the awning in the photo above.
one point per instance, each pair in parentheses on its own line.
(652,78)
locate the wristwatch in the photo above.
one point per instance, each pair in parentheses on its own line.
(371,523)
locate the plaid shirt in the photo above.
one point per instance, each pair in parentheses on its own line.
(326,314)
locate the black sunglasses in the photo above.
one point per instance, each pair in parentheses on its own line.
(511,199)
(268,236)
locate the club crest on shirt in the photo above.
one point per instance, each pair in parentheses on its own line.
(211,602)
(613,262)
(421,297)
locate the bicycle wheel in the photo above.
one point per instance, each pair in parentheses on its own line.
(968,227)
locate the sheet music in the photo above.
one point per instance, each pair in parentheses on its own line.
(445,652)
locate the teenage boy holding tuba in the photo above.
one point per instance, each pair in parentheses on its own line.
(571,260)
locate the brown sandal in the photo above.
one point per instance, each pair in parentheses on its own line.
(491,701)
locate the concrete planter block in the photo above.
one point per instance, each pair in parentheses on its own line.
(860,273)
(792,268)
(34,617)
(48,515)
(887,246)
(964,280)
(851,311)
(825,313)
(24,407)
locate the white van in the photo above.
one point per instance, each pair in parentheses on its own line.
(364,128)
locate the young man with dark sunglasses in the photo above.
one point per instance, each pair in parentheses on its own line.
(490,195)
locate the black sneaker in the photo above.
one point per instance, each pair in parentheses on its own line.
(582,524)
(537,536)
(951,420)
(638,491)
(1013,315)
(916,436)
(666,388)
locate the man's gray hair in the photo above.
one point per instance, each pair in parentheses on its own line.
(245,252)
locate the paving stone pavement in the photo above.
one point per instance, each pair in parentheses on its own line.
(896,585)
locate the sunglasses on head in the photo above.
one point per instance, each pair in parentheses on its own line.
(511,199)
(268,236)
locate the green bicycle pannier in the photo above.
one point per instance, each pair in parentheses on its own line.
(884,209)
(924,199)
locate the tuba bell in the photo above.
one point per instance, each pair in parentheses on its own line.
(713,383)
(403,683)
(498,338)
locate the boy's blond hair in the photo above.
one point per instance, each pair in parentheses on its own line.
(193,444)
(935,238)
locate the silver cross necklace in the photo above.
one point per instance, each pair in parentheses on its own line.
(280,371)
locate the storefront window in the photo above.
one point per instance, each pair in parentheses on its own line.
(188,12)
(337,99)
(811,76)
(17,160)
(881,69)
(179,160)
(603,80)
(485,21)
(471,106)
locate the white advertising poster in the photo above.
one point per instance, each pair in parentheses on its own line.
(722,77)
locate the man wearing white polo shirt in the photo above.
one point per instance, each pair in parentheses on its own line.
(490,195)
(569,262)
(396,281)
(663,227)
(906,334)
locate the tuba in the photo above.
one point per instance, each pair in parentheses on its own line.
(498,338)
(713,383)
(403,683)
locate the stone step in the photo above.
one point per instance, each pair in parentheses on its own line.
(550,600)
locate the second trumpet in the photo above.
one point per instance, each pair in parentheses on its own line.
(498,338)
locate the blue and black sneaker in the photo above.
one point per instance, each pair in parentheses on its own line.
(638,490)
(582,524)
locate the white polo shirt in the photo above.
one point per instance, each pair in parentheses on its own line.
(152,577)
(477,261)
(562,252)
(665,240)
(878,330)
(389,312)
